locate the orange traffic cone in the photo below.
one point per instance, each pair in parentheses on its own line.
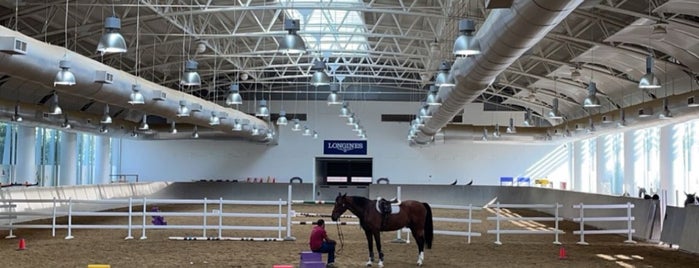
(562,253)
(22,244)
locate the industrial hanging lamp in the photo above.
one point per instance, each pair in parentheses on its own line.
(112,41)
(466,44)
(136,98)
(234,97)
(292,43)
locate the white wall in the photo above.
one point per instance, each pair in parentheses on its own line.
(185,160)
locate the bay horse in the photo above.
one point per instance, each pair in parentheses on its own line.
(413,214)
(691,199)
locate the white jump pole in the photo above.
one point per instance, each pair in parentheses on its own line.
(470,214)
(220,216)
(556,242)
(628,225)
(143,223)
(128,235)
(497,224)
(399,238)
(279,220)
(53,220)
(288,216)
(582,226)
(70,218)
(203,226)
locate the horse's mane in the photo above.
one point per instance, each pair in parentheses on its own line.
(360,202)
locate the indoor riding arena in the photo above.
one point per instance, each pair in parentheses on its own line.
(172,246)
(217,133)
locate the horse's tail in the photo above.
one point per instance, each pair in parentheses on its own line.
(429,229)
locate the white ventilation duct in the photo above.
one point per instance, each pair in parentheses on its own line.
(505,36)
(40,64)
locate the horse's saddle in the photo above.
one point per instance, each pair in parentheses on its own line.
(384,206)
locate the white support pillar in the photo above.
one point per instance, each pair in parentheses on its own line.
(102,167)
(577,167)
(600,159)
(668,160)
(629,160)
(68,149)
(26,154)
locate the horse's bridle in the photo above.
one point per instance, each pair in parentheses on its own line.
(340,237)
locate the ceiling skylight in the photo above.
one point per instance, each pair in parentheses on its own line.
(331,27)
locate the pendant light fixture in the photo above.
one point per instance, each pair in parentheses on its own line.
(432,97)
(296,126)
(54,108)
(214,120)
(237,126)
(112,41)
(345,110)
(136,98)
(334,98)
(649,80)
(466,44)
(442,79)
(511,127)
(591,101)
(554,113)
(144,123)
(173,128)
(16,117)
(319,77)
(191,77)
(195,133)
(65,77)
(66,123)
(234,97)
(292,43)
(106,118)
(282,120)
(183,110)
(262,110)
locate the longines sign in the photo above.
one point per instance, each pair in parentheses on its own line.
(344,147)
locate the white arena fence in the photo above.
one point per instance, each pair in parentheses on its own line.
(65,208)
(625,218)
(499,217)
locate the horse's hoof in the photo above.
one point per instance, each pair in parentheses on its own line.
(368,264)
(419,263)
(380,264)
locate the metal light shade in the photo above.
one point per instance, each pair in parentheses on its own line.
(528,118)
(16,117)
(54,108)
(173,128)
(306,131)
(112,41)
(190,77)
(334,99)
(66,123)
(591,100)
(64,77)
(292,43)
(432,97)
(183,111)
(136,97)
(511,127)
(350,119)
(104,129)
(262,110)
(255,131)
(144,123)
(234,97)
(320,78)
(237,126)
(442,78)
(296,126)
(345,110)
(282,120)
(644,113)
(666,113)
(362,136)
(575,75)
(106,118)
(195,133)
(214,120)
(466,44)
(315,135)
(554,114)
(649,80)
(622,119)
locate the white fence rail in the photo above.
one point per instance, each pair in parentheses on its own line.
(499,217)
(583,219)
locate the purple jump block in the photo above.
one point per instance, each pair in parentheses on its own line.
(308,256)
(312,264)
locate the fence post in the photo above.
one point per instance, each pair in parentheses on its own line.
(128,235)
(203,227)
(288,217)
(70,218)
(628,225)
(556,242)
(220,216)
(470,218)
(497,224)
(582,226)
(279,220)
(399,238)
(53,220)
(143,223)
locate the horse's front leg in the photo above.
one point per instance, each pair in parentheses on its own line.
(371,247)
(377,236)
